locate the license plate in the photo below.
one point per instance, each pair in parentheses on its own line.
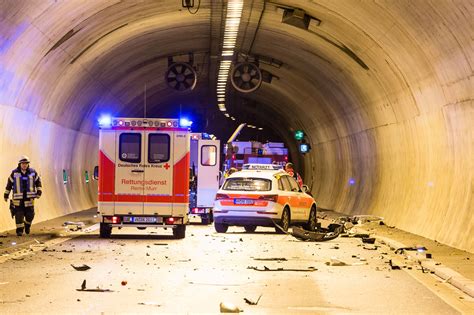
(243,201)
(141,219)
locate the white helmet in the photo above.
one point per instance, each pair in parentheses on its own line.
(24,159)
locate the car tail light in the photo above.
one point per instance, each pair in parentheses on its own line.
(115,220)
(194,210)
(221,196)
(273,198)
(169,220)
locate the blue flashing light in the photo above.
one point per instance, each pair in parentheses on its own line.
(184,122)
(105,121)
(205,136)
(352,181)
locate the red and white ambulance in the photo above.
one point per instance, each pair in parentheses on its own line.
(143,174)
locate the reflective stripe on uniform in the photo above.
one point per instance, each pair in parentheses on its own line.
(32,186)
(16,202)
(20,225)
(10,179)
(7,192)
(38,189)
(26,222)
(17,184)
(29,203)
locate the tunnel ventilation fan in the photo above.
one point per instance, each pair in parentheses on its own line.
(246,77)
(181,76)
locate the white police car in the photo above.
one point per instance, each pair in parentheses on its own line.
(262,195)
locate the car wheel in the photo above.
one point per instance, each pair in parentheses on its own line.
(284,223)
(105,230)
(179,231)
(250,228)
(220,227)
(312,220)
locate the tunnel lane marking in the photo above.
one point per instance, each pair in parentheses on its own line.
(33,248)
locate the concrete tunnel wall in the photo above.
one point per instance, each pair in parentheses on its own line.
(395,141)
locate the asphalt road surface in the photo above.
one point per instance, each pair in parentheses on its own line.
(150,272)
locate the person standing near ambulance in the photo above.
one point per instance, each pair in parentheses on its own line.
(289,168)
(26,185)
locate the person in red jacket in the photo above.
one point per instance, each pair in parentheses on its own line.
(26,185)
(289,168)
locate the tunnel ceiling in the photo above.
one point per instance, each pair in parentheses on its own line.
(383,89)
(100,55)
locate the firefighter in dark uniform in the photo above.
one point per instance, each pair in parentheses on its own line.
(26,185)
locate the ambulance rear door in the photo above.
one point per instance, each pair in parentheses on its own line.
(208,172)
(129,172)
(158,188)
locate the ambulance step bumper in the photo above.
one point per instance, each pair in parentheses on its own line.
(160,225)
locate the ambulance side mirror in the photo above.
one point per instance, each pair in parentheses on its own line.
(96,172)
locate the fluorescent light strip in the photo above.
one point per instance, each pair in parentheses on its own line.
(231,29)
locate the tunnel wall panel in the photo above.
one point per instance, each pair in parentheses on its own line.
(421,184)
(51,148)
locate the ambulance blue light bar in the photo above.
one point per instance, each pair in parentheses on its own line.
(105,121)
(184,122)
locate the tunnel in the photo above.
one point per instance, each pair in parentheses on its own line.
(382,90)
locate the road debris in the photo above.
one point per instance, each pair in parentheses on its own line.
(321,235)
(271,259)
(150,303)
(395,267)
(265,268)
(368,240)
(84,289)
(226,307)
(417,248)
(251,302)
(124,282)
(337,262)
(74,226)
(375,247)
(81,267)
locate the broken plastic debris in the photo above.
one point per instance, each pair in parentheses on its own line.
(250,302)
(402,250)
(368,240)
(336,262)
(81,267)
(83,288)
(150,303)
(394,267)
(265,268)
(322,235)
(81,224)
(226,307)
